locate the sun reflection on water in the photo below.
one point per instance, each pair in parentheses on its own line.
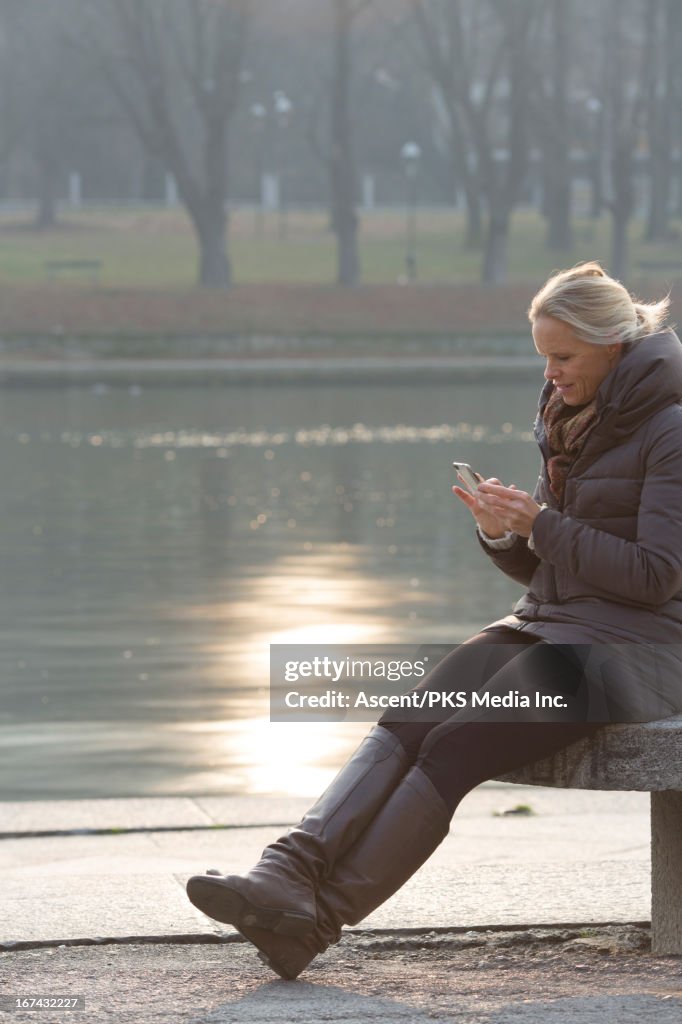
(326,598)
(297,758)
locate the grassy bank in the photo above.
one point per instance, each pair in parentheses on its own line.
(148,265)
(372,311)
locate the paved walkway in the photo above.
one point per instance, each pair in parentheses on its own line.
(582,857)
(103,870)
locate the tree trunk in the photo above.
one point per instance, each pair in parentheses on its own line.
(597,183)
(559,229)
(342,168)
(496,247)
(348,264)
(214,263)
(619,246)
(474,228)
(503,182)
(622,206)
(657,225)
(46,216)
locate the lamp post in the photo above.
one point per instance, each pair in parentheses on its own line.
(259,115)
(411,155)
(283,108)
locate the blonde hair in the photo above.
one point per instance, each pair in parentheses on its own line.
(599,308)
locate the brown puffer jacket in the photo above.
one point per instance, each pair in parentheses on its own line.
(607,566)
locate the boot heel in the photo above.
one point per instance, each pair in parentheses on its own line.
(286,956)
(273,967)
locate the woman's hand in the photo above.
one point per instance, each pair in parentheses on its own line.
(515,509)
(487,518)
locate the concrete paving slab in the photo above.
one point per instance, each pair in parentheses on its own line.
(471,841)
(66,815)
(148,812)
(486,799)
(90,906)
(489,894)
(498,797)
(187,812)
(567,862)
(126,885)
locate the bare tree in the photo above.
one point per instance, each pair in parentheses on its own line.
(503,184)
(487,92)
(337,151)
(37,95)
(450,47)
(53,98)
(175,68)
(663,37)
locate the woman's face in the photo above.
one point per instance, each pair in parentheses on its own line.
(576,367)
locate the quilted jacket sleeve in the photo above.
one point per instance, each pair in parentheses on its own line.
(518,561)
(648,570)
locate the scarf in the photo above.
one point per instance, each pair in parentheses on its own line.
(567,429)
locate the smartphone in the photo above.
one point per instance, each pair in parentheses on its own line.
(471,479)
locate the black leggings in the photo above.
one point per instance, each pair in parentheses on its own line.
(459,749)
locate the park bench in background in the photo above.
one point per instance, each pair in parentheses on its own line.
(633,757)
(53,268)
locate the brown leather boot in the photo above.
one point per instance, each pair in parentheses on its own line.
(278,894)
(404,833)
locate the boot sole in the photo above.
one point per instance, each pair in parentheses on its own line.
(265,959)
(288,971)
(225,904)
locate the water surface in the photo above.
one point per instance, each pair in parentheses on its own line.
(155,540)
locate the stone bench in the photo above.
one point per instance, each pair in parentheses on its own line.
(633,757)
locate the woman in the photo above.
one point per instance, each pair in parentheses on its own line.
(598,631)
